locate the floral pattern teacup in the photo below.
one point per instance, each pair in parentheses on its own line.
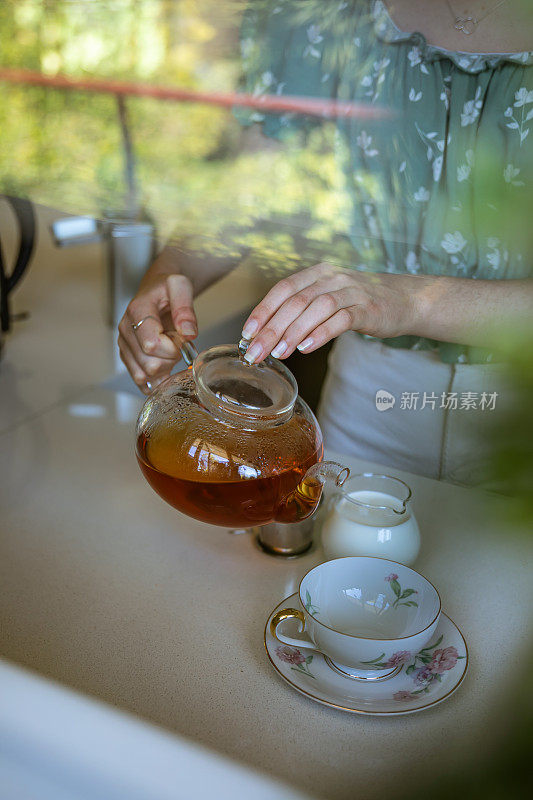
(366,615)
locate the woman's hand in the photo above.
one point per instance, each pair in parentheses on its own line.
(164,301)
(311,307)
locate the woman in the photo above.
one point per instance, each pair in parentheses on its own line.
(440,233)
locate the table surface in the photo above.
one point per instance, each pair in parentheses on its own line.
(108,590)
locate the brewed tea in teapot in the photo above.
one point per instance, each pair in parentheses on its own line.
(232,444)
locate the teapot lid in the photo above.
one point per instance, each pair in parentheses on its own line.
(227,384)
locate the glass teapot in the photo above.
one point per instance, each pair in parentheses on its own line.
(233,444)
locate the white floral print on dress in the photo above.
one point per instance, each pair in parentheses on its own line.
(314,37)
(415,56)
(522,98)
(499,255)
(411,263)
(453,242)
(365,143)
(421,195)
(464,170)
(471,109)
(437,168)
(510,173)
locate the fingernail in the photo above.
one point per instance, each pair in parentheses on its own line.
(279,349)
(253,352)
(187,329)
(305,344)
(249,329)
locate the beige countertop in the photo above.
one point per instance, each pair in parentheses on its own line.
(108,590)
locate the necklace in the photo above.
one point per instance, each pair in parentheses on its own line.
(469,24)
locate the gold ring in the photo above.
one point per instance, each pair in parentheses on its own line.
(136,325)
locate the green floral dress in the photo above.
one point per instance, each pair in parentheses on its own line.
(442,187)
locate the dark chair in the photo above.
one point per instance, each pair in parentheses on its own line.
(25,216)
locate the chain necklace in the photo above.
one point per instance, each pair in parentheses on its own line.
(468,25)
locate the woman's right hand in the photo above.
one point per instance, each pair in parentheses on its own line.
(164,301)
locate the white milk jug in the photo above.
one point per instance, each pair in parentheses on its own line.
(371,515)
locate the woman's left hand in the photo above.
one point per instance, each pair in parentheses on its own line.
(310,307)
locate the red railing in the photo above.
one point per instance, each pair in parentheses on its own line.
(270,103)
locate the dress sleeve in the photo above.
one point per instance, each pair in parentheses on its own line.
(290,49)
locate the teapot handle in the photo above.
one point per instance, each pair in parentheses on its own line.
(187,349)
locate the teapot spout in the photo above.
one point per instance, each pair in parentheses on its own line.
(301,503)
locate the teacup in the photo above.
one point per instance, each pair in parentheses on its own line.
(368,616)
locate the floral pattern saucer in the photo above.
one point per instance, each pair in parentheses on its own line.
(427,677)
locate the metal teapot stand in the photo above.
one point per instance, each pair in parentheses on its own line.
(286,541)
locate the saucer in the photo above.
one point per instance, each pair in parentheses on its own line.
(425,679)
